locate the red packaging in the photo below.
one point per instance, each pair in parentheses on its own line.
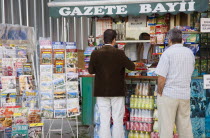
(128,125)
(153,135)
(145,127)
(131,125)
(176,136)
(126,115)
(149,127)
(135,126)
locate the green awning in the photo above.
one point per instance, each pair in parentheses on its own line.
(113,8)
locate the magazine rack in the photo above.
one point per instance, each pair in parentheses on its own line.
(61,126)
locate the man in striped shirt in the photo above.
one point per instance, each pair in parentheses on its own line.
(175,69)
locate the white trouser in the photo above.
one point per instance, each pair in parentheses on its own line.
(114,106)
(172,111)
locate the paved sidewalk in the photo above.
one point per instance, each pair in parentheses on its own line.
(84,131)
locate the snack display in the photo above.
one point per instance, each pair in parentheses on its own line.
(34,116)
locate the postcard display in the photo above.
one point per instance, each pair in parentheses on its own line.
(19,113)
(58,79)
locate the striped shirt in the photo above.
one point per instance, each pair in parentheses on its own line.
(176,65)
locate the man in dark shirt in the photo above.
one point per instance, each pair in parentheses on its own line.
(108,64)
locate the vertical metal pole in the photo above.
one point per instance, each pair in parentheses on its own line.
(62,29)
(65,30)
(20,12)
(75,29)
(50,21)
(43,20)
(3,11)
(88,27)
(82,47)
(36,51)
(12,11)
(58,30)
(27,14)
(35,21)
(68,28)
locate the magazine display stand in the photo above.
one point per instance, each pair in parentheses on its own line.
(59,92)
(19,112)
(61,126)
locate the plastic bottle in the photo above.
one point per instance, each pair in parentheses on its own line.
(147,89)
(141,135)
(140,115)
(96,115)
(135,101)
(132,101)
(147,103)
(132,115)
(136,134)
(130,135)
(140,89)
(96,131)
(135,115)
(146,116)
(143,89)
(137,89)
(143,115)
(152,102)
(147,135)
(143,103)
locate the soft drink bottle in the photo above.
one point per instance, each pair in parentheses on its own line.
(175,129)
(139,102)
(128,125)
(141,135)
(135,114)
(136,135)
(146,116)
(151,102)
(140,115)
(96,131)
(143,103)
(140,126)
(96,115)
(147,135)
(176,136)
(141,89)
(135,101)
(149,127)
(132,115)
(137,89)
(147,103)
(130,135)
(132,101)
(143,115)
(152,135)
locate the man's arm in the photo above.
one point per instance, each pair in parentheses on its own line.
(162,71)
(91,68)
(127,63)
(161,84)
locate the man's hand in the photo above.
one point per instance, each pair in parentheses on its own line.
(161,84)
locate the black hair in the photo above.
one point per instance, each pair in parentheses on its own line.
(109,36)
(142,35)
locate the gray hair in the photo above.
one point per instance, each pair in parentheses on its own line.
(175,35)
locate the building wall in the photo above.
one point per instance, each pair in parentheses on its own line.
(39,29)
